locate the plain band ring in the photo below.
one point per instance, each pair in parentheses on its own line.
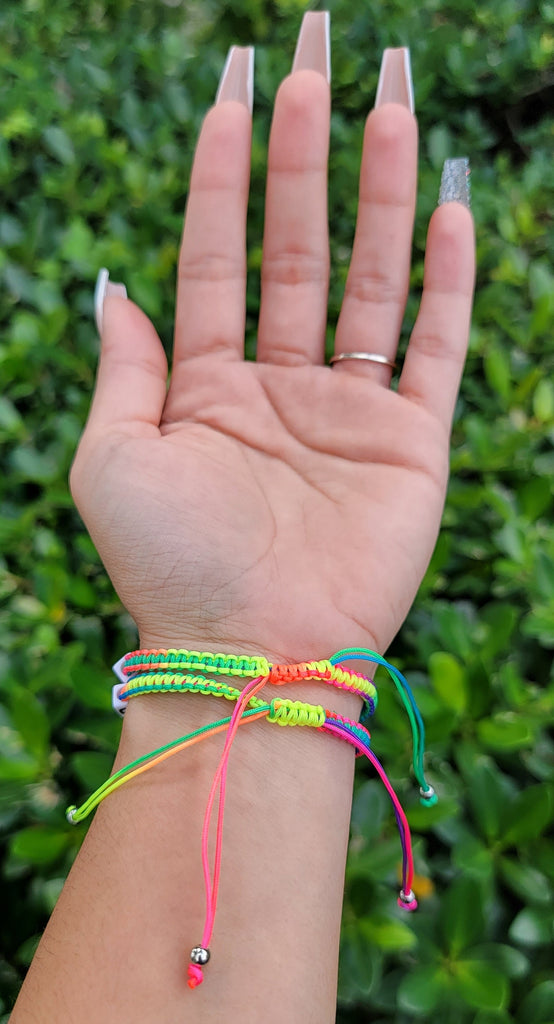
(370,357)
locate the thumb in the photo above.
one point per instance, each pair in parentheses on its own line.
(131,382)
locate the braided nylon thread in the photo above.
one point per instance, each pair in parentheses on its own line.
(162,671)
(142,663)
(163,682)
(295,712)
(221,664)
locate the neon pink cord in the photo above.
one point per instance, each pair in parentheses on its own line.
(221,777)
(408,880)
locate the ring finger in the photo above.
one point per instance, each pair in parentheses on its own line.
(378,278)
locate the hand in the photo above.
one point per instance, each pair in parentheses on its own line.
(280,506)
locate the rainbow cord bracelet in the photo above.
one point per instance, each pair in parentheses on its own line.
(157,671)
(143,672)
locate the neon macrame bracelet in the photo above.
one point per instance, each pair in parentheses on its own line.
(166,670)
(142,672)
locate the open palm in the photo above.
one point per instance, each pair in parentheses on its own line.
(281,506)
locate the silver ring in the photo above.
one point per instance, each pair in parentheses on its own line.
(370,357)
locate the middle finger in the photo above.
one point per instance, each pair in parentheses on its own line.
(295,265)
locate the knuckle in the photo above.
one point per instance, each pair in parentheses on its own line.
(212,267)
(435,345)
(294,268)
(372,287)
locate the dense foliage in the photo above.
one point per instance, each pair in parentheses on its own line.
(100,106)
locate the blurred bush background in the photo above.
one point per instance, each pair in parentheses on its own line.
(100,106)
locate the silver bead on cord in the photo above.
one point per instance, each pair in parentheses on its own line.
(199,955)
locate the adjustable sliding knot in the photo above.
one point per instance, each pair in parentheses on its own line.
(279,674)
(295,712)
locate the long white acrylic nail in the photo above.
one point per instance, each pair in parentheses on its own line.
(313,48)
(395,78)
(103,288)
(237,77)
(455,186)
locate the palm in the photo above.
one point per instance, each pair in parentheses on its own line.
(311,495)
(280,506)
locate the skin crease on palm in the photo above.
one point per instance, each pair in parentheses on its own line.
(281,506)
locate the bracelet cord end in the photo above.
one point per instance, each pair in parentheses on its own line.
(407,900)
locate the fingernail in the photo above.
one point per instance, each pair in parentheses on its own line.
(313,49)
(455,185)
(237,77)
(395,79)
(103,288)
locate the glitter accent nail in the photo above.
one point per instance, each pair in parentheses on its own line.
(455,182)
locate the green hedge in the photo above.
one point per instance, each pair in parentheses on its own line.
(100,107)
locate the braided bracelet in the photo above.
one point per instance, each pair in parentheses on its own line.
(166,670)
(142,672)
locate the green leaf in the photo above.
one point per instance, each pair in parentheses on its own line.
(420,991)
(58,142)
(39,467)
(498,370)
(448,680)
(11,422)
(487,796)
(543,401)
(505,731)
(50,892)
(531,885)
(388,933)
(369,809)
(39,844)
(92,767)
(439,145)
(532,927)
(481,986)
(538,1005)
(493,1017)
(27,950)
(31,721)
(92,685)
(461,915)
(526,816)
(505,959)
(360,967)
(471,855)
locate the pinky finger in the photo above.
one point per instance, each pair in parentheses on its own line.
(436,353)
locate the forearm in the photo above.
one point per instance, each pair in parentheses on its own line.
(117,946)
